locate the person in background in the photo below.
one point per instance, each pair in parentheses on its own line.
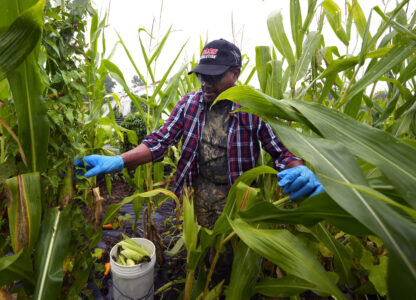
(218,145)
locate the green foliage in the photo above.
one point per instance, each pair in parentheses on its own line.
(359,236)
(352,117)
(45,105)
(135,123)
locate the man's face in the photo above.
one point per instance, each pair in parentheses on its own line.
(212,86)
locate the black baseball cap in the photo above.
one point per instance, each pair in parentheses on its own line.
(217,57)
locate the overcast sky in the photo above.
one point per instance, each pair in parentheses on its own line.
(241,21)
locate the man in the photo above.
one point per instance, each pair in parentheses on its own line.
(217,145)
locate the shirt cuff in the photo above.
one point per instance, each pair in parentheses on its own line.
(156,150)
(282,164)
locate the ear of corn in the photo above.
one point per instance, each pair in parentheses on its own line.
(133,246)
(129,253)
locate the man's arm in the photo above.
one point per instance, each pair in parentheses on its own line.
(283,158)
(137,156)
(296,179)
(151,149)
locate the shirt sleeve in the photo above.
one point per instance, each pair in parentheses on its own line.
(274,147)
(167,135)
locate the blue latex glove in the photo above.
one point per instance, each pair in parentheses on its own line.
(299,181)
(99,164)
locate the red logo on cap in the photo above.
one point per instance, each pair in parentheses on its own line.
(209,51)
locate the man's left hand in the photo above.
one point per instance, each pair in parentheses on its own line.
(299,181)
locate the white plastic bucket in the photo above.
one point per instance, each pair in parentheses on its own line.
(133,282)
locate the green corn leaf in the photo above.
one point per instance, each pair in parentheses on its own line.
(342,255)
(170,95)
(158,172)
(397,26)
(296,25)
(334,160)
(397,161)
(405,107)
(234,196)
(6,261)
(309,48)
(249,97)
(213,294)
(17,267)
(261,104)
(244,273)
(353,106)
(26,87)
(310,15)
(409,71)
(250,76)
(329,82)
(66,189)
(13,135)
(406,123)
(309,212)
(285,250)
(145,56)
(343,64)
(278,35)
(366,39)
(165,76)
(20,38)
(99,85)
(333,14)
(160,46)
(113,209)
(376,194)
(359,18)
(25,210)
(131,59)
(189,226)
(282,287)
(262,58)
(118,76)
(348,24)
(404,91)
(276,79)
(384,25)
(247,178)
(51,252)
(93,31)
(113,122)
(139,186)
(285,80)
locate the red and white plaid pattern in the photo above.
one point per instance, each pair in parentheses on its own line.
(187,121)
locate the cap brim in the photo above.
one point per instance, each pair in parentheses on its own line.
(209,69)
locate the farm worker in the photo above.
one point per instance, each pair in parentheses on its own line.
(217,145)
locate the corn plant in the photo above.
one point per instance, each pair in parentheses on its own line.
(24,191)
(351,139)
(160,98)
(42,97)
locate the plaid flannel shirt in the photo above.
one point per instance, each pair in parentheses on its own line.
(187,121)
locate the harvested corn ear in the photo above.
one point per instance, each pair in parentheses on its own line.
(129,253)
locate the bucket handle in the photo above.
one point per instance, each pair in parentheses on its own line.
(142,298)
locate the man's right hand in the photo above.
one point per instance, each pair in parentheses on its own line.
(100,164)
